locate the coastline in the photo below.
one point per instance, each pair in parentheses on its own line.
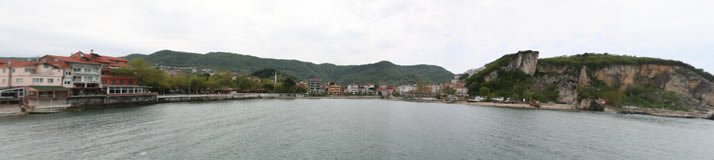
(221,97)
(524,106)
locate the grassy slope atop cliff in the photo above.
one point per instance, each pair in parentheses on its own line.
(596,61)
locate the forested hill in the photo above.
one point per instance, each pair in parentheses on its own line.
(383,71)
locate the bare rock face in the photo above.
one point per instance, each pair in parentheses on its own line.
(583,80)
(693,90)
(568,93)
(525,61)
(491,76)
(590,105)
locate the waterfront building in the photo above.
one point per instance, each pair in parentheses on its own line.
(353,89)
(385,91)
(462,91)
(40,82)
(435,88)
(315,86)
(81,74)
(406,89)
(114,84)
(334,89)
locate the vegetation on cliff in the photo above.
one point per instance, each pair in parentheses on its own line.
(383,71)
(597,61)
(513,84)
(563,74)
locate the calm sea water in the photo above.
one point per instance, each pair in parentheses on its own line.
(349,129)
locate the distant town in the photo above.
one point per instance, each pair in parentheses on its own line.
(52,82)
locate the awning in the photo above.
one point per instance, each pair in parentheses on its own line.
(49,88)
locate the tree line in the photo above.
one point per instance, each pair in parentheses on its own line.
(220,81)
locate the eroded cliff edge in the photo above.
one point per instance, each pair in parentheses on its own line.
(628,84)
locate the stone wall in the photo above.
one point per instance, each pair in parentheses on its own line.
(100,101)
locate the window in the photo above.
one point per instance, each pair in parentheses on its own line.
(68,73)
(47,66)
(50,81)
(44,59)
(13,70)
(36,80)
(77,69)
(113,82)
(3,70)
(121,81)
(104,81)
(18,81)
(67,82)
(129,82)
(30,70)
(57,60)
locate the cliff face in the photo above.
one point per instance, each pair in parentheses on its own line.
(583,80)
(693,91)
(525,61)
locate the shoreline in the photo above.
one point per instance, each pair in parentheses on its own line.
(522,106)
(561,107)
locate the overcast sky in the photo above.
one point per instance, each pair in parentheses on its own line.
(457,35)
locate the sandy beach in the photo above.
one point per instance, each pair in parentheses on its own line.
(525,106)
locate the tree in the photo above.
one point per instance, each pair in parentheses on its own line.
(289,85)
(484,91)
(614,97)
(449,91)
(197,83)
(180,81)
(528,95)
(145,74)
(301,89)
(221,80)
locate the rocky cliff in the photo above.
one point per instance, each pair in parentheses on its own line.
(588,79)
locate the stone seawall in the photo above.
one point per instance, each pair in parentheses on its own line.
(104,101)
(219,97)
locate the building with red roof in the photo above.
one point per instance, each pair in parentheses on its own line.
(81,73)
(42,82)
(112,84)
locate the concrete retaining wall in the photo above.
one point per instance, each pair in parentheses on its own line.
(218,97)
(101,101)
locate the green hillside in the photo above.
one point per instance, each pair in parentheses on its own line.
(383,71)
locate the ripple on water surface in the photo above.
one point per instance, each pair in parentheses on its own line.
(349,129)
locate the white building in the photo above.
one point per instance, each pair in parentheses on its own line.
(80,74)
(406,88)
(353,89)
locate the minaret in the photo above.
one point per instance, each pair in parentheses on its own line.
(276,77)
